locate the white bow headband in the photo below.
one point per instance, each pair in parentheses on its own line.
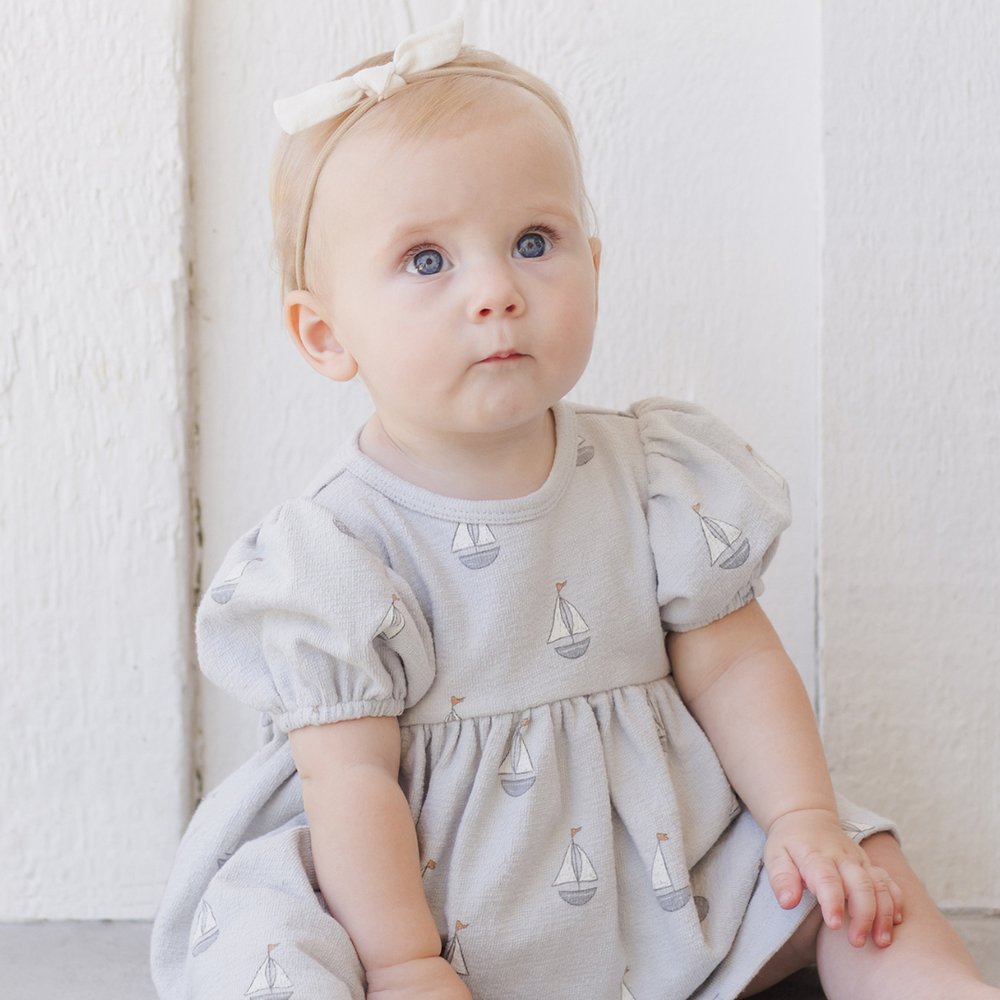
(421,56)
(423,51)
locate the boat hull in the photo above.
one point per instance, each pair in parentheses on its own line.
(517,786)
(738,558)
(577,897)
(204,943)
(481,559)
(223,592)
(673,899)
(574,650)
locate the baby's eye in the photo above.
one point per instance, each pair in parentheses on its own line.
(426,261)
(531,245)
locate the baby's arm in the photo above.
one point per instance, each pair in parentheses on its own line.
(746,694)
(365,850)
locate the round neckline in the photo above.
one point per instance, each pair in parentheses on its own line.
(508,511)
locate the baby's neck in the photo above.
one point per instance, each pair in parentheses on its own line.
(495,467)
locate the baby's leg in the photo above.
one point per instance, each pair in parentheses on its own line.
(266,932)
(926,960)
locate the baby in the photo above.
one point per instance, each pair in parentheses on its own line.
(484,772)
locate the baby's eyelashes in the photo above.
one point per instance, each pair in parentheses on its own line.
(535,243)
(426,260)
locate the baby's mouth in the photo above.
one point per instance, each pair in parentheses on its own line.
(501,356)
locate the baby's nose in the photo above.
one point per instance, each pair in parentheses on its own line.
(496,294)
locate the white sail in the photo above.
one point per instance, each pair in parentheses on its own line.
(716,544)
(730,531)
(517,760)
(626,992)
(463,539)
(566,872)
(455,957)
(392,624)
(776,476)
(206,919)
(237,571)
(270,979)
(559,629)
(661,877)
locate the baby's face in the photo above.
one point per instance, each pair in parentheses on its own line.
(455,271)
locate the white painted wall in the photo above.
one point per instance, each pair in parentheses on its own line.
(911,428)
(702,124)
(699,123)
(93,504)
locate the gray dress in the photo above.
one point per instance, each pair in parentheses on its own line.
(577,835)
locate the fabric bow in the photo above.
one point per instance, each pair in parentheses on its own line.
(424,50)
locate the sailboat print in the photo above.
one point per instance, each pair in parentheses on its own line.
(225,590)
(667,894)
(430,866)
(584,451)
(721,538)
(206,929)
(475,545)
(567,622)
(774,475)
(270,983)
(576,871)
(453,716)
(852,828)
(516,772)
(661,730)
(393,622)
(453,951)
(626,992)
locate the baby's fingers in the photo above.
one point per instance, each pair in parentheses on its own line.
(888,906)
(869,903)
(785,880)
(824,881)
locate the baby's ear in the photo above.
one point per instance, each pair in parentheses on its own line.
(312,334)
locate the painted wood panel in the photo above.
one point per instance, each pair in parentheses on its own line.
(911,429)
(94,613)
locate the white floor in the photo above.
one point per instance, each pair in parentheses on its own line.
(107,960)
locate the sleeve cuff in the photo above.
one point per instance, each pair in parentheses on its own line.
(320,715)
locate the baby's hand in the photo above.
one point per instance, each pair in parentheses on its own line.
(419,979)
(808,845)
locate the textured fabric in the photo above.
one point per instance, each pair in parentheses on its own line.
(577,834)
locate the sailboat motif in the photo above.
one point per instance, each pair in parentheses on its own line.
(453,716)
(626,992)
(584,451)
(667,894)
(475,545)
(517,774)
(206,929)
(430,866)
(577,872)
(453,951)
(224,591)
(661,730)
(567,622)
(721,538)
(392,624)
(270,982)
(852,828)
(774,475)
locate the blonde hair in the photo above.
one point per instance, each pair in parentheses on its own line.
(429,103)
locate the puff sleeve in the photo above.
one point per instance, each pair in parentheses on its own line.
(715,510)
(307,624)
